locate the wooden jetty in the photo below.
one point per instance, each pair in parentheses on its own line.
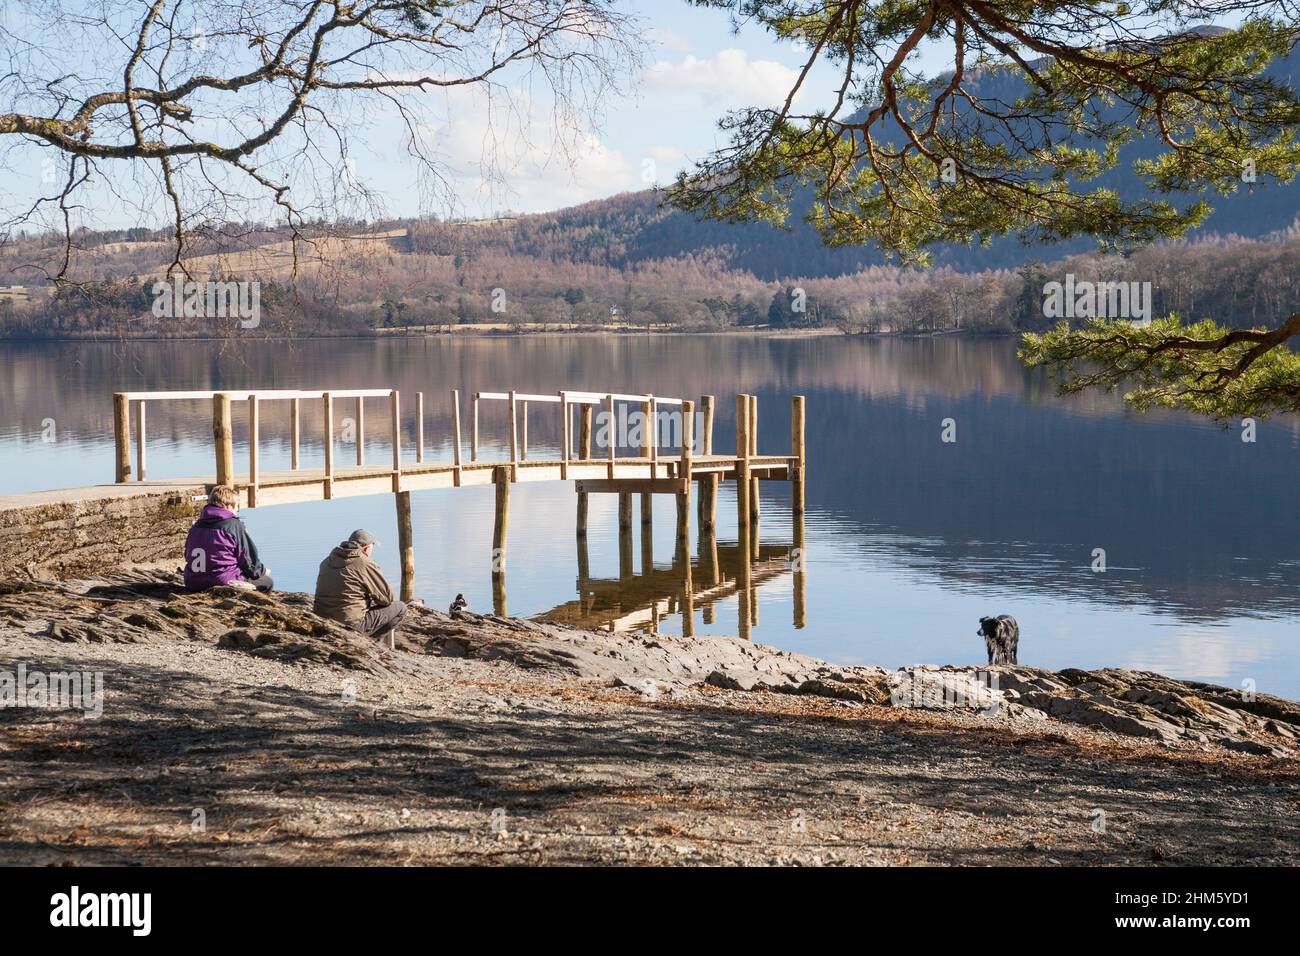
(672,460)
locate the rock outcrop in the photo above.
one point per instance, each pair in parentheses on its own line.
(142,607)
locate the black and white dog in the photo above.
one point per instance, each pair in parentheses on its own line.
(1001,637)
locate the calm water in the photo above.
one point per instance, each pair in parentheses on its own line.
(910,539)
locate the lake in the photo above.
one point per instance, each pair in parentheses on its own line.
(910,538)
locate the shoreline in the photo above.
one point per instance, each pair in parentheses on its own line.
(502,333)
(302,742)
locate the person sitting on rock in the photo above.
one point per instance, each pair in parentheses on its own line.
(218,549)
(352,590)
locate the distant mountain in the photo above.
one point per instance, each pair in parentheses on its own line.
(632,228)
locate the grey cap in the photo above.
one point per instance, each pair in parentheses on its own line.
(362,537)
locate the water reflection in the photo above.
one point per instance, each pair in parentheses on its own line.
(913,538)
(642,601)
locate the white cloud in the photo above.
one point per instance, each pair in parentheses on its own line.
(666,39)
(728,79)
(511,152)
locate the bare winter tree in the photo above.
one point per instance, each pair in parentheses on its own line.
(219,108)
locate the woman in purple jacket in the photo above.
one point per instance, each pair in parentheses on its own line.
(218,549)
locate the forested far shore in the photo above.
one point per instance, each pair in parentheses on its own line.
(419,280)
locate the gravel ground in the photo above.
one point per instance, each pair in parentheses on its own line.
(207,755)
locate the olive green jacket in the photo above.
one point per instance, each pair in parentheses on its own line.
(349,584)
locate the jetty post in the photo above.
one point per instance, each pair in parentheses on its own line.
(359,426)
(473,428)
(500,527)
(753,482)
(708,504)
(395,404)
(405,544)
(254,426)
(122,437)
(624,535)
(514,437)
(684,518)
(743,513)
(295,429)
(684,476)
(223,438)
(584,453)
(455,448)
(327,404)
(800,553)
(649,446)
(419,428)
(139,441)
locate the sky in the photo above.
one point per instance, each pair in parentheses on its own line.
(696,69)
(498,154)
(502,154)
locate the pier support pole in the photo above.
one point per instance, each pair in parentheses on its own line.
(797,452)
(327,436)
(359,427)
(419,428)
(684,477)
(254,427)
(647,535)
(649,440)
(584,452)
(500,526)
(743,515)
(687,602)
(624,535)
(405,544)
(139,441)
(223,438)
(584,433)
(295,428)
(708,506)
(122,437)
(584,564)
(754,509)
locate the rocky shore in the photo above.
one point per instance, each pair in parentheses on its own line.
(238,727)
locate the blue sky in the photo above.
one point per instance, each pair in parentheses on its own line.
(695,69)
(501,152)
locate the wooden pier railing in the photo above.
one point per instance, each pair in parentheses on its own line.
(656,466)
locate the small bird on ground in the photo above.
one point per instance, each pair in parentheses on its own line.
(458,605)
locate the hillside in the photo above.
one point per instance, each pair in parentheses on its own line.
(629,261)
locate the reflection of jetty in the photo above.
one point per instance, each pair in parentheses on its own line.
(641,601)
(641,462)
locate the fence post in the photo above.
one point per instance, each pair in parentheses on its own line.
(224,438)
(360,426)
(122,437)
(564,435)
(523,432)
(455,450)
(514,437)
(797,452)
(295,426)
(419,428)
(684,476)
(395,401)
(584,432)
(743,515)
(253,428)
(473,429)
(610,433)
(139,441)
(405,545)
(328,407)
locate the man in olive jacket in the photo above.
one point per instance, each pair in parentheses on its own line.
(351,589)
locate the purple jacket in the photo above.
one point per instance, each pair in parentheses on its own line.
(218,550)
